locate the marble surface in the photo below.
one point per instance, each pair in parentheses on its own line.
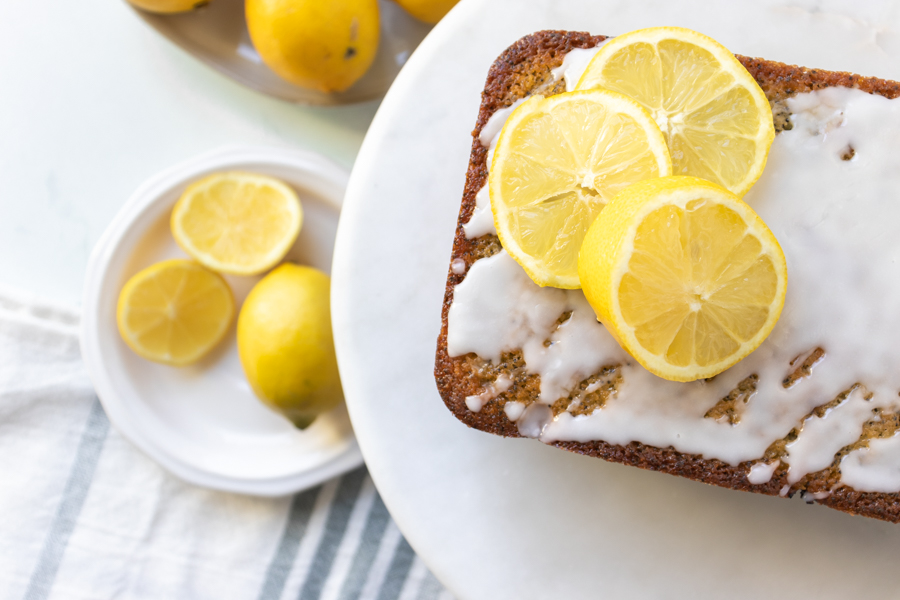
(94,102)
(513,519)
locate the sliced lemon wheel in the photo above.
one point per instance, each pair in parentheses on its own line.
(238,223)
(685,275)
(715,117)
(174,312)
(558,161)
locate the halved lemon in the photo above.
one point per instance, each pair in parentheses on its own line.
(174,312)
(685,276)
(715,117)
(238,223)
(558,161)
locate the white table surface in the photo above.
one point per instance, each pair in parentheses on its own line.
(94,102)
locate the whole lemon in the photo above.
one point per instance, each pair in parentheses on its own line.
(320,44)
(430,11)
(168,6)
(285,344)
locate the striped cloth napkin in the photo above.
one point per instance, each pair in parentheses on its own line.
(83,514)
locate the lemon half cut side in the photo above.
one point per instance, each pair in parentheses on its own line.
(716,119)
(685,276)
(557,163)
(236,222)
(174,312)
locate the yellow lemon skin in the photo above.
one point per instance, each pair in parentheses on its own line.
(286,346)
(168,6)
(325,45)
(685,276)
(429,11)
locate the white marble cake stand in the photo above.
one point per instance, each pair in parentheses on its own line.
(497,518)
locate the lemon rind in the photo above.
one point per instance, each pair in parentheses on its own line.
(638,203)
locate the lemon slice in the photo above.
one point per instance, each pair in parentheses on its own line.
(558,161)
(238,223)
(685,275)
(715,117)
(174,312)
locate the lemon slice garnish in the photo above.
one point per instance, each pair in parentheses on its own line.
(716,119)
(174,312)
(685,275)
(558,161)
(239,223)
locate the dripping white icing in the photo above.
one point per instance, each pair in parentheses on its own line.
(836,214)
(822,437)
(874,469)
(482,220)
(500,385)
(491,130)
(817,495)
(458,266)
(574,64)
(497,309)
(513,410)
(762,472)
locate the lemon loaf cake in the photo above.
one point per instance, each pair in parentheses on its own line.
(814,410)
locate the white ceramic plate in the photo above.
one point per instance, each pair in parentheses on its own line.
(203,422)
(497,518)
(217,35)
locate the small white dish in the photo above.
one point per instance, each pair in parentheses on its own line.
(203,422)
(217,35)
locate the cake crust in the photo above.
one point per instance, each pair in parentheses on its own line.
(524,69)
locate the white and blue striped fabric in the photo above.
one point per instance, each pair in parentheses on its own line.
(84,515)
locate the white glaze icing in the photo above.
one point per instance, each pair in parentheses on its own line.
(491,130)
(482,220)
(874,469)
(822,437)
(500,385)
(458,266)
(836,220)
(497,308)
(762,472)
(574,64)
(817,495)
(534,420)
(513,410)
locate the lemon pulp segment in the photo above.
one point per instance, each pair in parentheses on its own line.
(685,275)
(174,312)
(716,119)
(557,163)
(239,223)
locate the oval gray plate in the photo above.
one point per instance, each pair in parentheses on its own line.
(217,35)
